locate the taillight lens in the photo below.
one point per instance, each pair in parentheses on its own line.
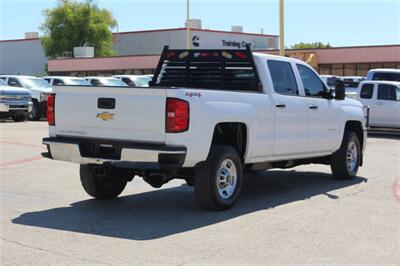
(177,115)
(51,119)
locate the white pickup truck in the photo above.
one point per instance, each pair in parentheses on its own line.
(383,99)
(208,116)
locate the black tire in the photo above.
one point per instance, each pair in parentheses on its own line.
(19,118)
(189,181)
(207,181)
(108,185)
(343,164)
(34,115)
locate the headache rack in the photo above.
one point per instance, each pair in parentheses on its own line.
(207,69)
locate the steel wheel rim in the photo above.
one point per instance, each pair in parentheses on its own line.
(351,156)
(32,114)
(226,178)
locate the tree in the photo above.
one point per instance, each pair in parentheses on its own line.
(72,24)
(302,45)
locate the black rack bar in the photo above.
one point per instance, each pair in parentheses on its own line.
(207,69)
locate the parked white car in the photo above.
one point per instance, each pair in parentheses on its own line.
(257,112)
(15,103)
(135,80)
(106,81)
(387,74)
(38,88)
(66,80)
(330,80)
(383,98)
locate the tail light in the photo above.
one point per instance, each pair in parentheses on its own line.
(51,119)
(177,115)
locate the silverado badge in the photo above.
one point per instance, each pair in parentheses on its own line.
(105,116)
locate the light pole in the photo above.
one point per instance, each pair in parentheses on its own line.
(281,29)
(187,24)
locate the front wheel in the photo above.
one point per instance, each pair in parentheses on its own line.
(34,115)
(218,181)
(346,160)
(102,182)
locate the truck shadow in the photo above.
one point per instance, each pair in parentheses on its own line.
(170,211)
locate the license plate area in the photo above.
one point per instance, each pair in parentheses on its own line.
(100,150)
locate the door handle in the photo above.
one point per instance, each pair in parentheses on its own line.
(280,106)
(313,107)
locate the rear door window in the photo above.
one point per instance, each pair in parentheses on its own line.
(387,92)
(367,90)
(283,78)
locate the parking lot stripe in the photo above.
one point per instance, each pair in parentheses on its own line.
(25,160)
(22,144)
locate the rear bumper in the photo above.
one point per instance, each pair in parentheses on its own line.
(117,153)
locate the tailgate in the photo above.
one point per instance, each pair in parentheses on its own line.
(117,113)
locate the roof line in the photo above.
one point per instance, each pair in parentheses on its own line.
(339,47)
(203,30)
(162,30)
(20,40)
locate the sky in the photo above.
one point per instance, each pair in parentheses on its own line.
(338,22)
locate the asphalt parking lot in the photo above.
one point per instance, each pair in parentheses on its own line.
(299,216)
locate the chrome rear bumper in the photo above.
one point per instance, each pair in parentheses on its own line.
(123,154)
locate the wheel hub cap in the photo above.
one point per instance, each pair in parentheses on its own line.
(226,178)
(351,157)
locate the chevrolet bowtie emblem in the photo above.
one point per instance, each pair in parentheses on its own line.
(105,116)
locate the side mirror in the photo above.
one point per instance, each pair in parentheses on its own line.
(340,92)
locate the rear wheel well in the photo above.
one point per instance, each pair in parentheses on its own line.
(356,127)
(233,134)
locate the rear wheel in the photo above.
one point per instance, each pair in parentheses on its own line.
(218,181)
(102,182)
(346,160)
(35,113)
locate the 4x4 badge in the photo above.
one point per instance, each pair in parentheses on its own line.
(105,116)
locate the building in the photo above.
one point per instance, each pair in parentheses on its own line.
(138,53)
(341,61)
(26,56)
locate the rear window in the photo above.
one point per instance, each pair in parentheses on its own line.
(207,69)
(386,76)
(367,91)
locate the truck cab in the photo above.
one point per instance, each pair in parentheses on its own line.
(383,99)
(388,74)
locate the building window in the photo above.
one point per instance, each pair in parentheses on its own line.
(350,70)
